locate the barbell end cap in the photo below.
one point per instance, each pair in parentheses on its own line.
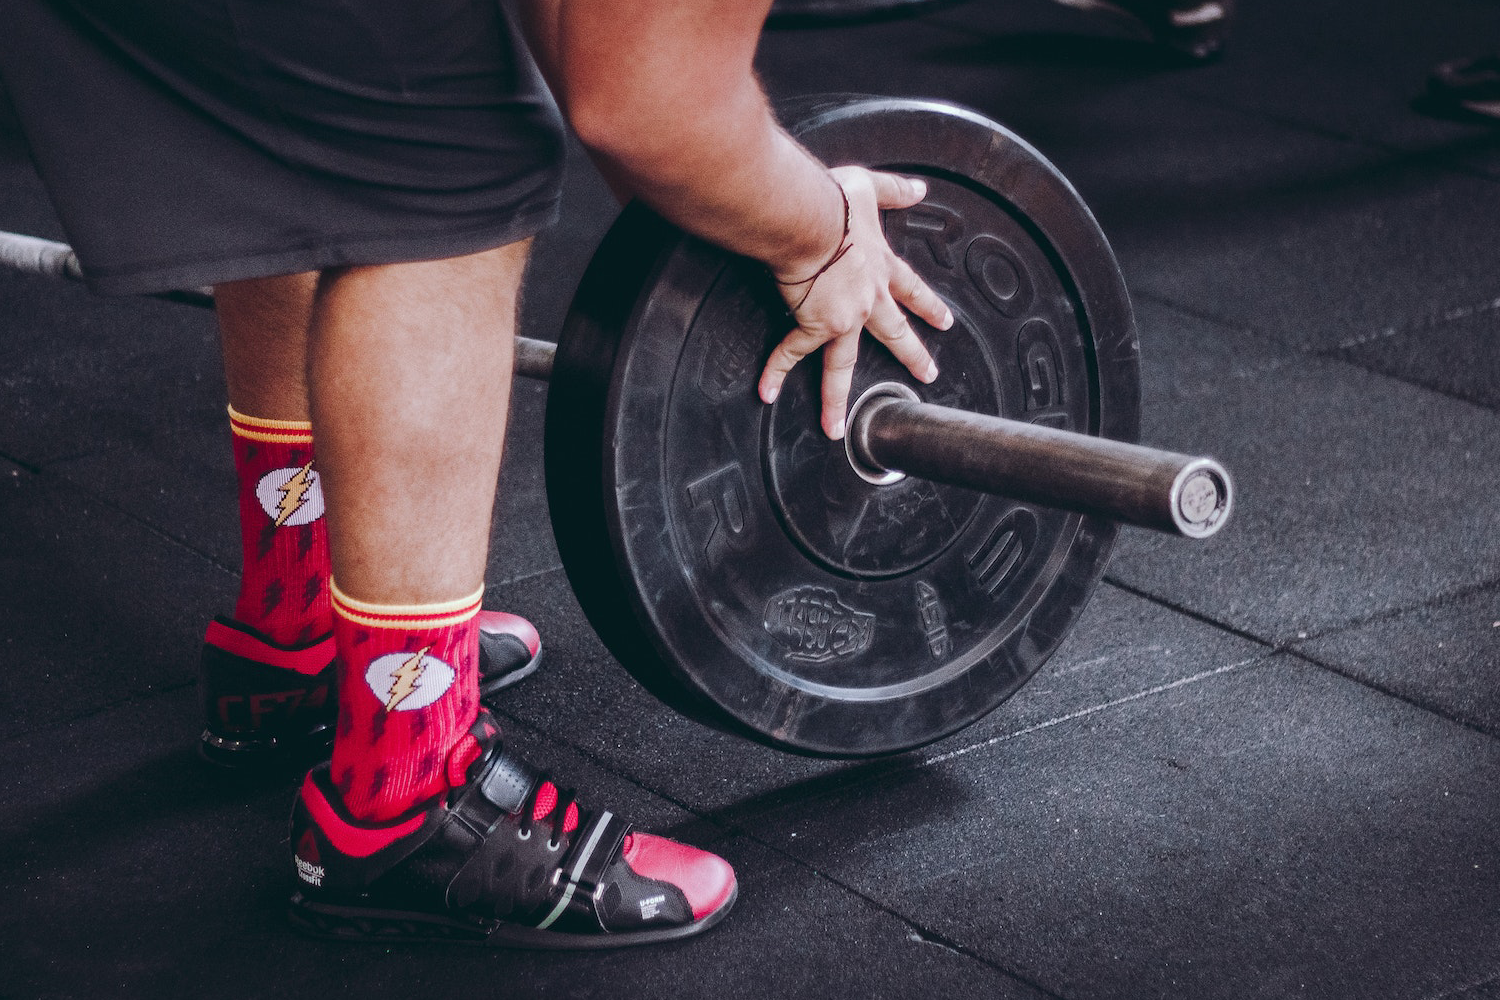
(1202,498)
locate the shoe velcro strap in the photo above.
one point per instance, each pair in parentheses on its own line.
(501,789)
(595,847)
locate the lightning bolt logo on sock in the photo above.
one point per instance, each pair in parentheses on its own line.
(404,679)
(291,496)
(408,681)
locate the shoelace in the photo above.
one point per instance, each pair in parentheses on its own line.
(547,800)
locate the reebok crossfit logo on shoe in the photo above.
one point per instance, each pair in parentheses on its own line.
(306,859)
(292,496)
(405,682)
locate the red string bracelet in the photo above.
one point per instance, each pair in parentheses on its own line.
(845,245)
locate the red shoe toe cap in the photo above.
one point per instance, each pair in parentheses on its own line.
(505,622)
(707,880)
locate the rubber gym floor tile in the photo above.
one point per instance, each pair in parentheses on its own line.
(1269,832)
(1354,68)
(1489,989)
(1123,646)
(1305,239)
(98,608)
(135,870)
(1441,657)
(1345,485)
(521,537)
(1459,355)
(1031,53)
(795,933)
(80,374)
(151,484)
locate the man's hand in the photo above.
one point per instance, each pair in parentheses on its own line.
(865,289)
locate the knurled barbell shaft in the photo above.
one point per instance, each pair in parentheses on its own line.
(1130,483)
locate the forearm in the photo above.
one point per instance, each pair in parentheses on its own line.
(664,96)
(747,187)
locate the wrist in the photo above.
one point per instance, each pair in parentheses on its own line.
(801,266)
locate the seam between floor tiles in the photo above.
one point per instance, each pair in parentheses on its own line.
(1381,689)
(1446,316)
(923,933)
(1081,713)
(1415,324)
(35,470)
(1202,315)
(1295,646)
(1438,600)
(1441,158)
(1291,645)
(1337,352)
(100,709)
(104,501)
(1187,612)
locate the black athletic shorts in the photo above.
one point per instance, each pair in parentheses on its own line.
(191,142)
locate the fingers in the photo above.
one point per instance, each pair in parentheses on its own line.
(838,375)
(895,191)
(915,294)
(839,355)
(793,348)
(888,324)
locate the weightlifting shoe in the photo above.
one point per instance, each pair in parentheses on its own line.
(505,860)
(265,704)
(1194,29)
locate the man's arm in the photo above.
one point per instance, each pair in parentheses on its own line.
(663,93)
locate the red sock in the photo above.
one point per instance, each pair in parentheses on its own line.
(284,584)
(408,692)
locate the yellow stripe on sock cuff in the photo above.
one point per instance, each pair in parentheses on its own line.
(261,429)
(405,615)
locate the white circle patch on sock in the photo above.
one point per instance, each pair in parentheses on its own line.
(407,681)
(292,496)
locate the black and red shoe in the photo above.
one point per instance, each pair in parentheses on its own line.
(507,860)
(265,704)
(261,700)
(509,650)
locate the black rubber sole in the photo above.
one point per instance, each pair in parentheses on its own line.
(381,926)
(253,755)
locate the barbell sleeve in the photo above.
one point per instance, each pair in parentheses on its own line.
(34,255)
(1130,483)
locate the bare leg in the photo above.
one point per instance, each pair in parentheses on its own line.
(410,368)
(263,324)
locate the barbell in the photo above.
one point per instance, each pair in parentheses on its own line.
(865,596)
